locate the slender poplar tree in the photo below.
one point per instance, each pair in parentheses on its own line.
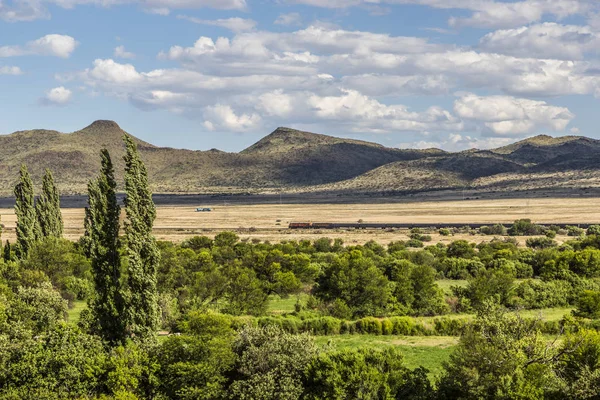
(27,226)
(102,246)
(47,208)
(142,252)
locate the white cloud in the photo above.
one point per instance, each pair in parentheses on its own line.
(547,40)
(506,115)
(459,142)
(112,72)
(362,113)
(275,103)
(23,11)
(59,96)
(348,80)
(485,13)
(49,45)
(222,117)
(391,85)
(290,19)
(10,70)
(233,24)
(120,52)
(30,10)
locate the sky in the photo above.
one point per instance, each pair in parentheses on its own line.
(202,74)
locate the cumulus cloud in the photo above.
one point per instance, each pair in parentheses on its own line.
(547,40)
(10,70)
(120,52)
(460,142)
(222,117)
(233,24)
(350,80)
(59,96)
(506,115)
(49,45)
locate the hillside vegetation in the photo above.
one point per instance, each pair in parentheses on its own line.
(292,160)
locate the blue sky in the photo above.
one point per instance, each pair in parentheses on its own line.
(204,74)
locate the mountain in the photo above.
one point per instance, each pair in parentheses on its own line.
(297,161)
(286,158)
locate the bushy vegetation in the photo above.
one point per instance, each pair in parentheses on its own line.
(210,298)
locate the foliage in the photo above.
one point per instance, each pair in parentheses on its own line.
(365,373)
(500,356)
(143,256)
(27,226)
(270,364)
(47,208)
(588,304)
(102,245)
(524,227)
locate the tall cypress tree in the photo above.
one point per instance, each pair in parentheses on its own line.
(142,253)
(47,208)
(102,246)
(27,226)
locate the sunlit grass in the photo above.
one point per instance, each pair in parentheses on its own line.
(74,313)
(419,351)
(278,305)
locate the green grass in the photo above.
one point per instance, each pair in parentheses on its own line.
(445,284)
(547,314)
(278,305)
(426,351)
(74,313)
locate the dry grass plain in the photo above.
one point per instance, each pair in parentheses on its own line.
(270,221)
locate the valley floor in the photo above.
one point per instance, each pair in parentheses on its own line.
(270,221)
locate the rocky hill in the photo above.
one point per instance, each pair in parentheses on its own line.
(292,160)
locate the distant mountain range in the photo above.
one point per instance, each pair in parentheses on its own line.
(296,161)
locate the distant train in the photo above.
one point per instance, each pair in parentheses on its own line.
(377,225)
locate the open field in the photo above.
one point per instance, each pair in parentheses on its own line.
(270,221)
(419,351)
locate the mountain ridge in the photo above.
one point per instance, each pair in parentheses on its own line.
(293,160)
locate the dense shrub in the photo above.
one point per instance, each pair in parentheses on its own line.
(497,229)
(524,227)
(541,243)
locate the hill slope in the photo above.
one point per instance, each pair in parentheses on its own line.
(286,158)
(301,161)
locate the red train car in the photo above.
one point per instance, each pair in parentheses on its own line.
(300,225)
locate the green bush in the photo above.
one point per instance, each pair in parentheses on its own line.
(588,305)
(575,231)
(403,326)
(524,227)
(369,325)
(541,242)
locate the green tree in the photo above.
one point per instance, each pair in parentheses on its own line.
(588,304)
(143,256)
(102,242)
(364,373)
(195,365)
(579,365)
(270,364)
(47,208)
(27,226)
(62,363)
(500,356)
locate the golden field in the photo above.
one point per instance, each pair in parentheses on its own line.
(270,221)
